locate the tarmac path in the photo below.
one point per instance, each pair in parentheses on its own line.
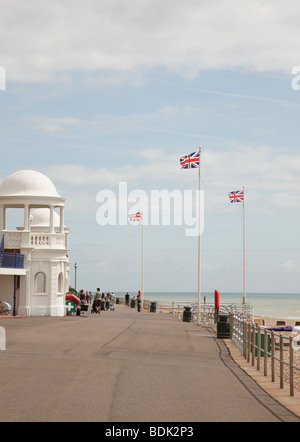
(125,366)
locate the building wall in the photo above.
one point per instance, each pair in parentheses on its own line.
(49,299)
(7,289)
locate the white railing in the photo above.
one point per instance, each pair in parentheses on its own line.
(17,240)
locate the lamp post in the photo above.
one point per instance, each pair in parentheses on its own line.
(75,267)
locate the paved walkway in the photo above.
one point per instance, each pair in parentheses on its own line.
(125,366)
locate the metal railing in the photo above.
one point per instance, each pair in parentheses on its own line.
(209,315)
(12,260)
(267,349)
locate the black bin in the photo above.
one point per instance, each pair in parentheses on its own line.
(223,327)
(132,304)
(153,307)
(117,301)
(187,314)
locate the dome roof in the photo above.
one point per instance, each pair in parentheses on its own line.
(28,183)
(41,218)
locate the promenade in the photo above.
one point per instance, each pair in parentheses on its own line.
(125,366)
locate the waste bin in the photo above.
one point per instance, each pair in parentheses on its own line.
(132,303)
(153,307)
(223,327)
(117,301)
(187,314)
(262,344)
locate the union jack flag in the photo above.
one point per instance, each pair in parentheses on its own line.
(190,161)
(136,216)
(237,196)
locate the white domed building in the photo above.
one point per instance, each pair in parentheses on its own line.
(35,277)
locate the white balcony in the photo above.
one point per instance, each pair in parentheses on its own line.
(37,240)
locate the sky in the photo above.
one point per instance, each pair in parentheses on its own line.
(99,93)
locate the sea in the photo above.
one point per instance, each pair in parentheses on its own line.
(271,305)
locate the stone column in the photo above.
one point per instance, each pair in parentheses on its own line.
(2,216)
(26,217)
(51,219)
(62,222)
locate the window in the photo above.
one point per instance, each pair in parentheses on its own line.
(39,283)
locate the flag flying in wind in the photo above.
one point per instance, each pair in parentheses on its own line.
(237,196)
(138,216)
(190,161)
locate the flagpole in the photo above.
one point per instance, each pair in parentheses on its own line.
(199,241)
(244,249)
(142,305)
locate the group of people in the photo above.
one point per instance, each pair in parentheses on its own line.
(138,301)
(85,297)
(102,301)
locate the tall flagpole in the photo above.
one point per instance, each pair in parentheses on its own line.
(244,248)
(142,262)
(199,241)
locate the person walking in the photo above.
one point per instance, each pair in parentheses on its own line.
(139,303)
(107,303)
(98,300)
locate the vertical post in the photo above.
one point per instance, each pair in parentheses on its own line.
(199,241)
(258,349)
(253,344)
(26,217)
(62,221)
(1,218)
(244,339)
(273,356)
(265,353)
(75,267)
(15,296)
(142,263)
(248,341)
(52,219)
(244,249)
(281,361)
(291,367)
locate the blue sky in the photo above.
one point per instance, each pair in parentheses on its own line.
(103,92)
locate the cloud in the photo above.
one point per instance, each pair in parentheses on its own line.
(292,266)
(271,178)
(47,41)
(53,125)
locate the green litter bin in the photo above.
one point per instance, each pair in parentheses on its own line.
(187,314)
(223,327)
(262,343)
(132,304)
(153,307)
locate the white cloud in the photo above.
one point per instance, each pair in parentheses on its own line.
(271,178)
(53,125)
(44,41)
(292,266)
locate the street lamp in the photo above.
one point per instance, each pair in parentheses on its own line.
(75,267)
